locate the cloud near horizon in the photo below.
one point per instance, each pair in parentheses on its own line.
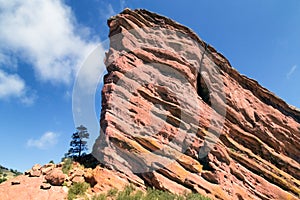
(47,140)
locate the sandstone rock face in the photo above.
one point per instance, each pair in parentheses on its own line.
(177,116)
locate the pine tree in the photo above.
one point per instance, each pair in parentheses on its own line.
(78,143)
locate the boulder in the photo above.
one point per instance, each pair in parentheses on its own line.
(35,173)
(46,170)
(56,177)
(89,177)
(76,172)
(36,167)
(78,179)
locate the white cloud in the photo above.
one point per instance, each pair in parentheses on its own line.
(13,86)
(291,71)
(8,61)
(46,35)
(47,140)
(29,99)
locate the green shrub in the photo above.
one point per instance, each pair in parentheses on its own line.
(126,193)
(153,194)
(112,192)
(139,194)
(51,161)
(196,196)
(130,193)
(99,197)
(78,189)
(3,180)
(67,166)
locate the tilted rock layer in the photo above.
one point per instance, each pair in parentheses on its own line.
(177,116)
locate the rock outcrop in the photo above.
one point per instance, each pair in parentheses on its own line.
(30,188)
(50,183)
(40,182)
(177,116)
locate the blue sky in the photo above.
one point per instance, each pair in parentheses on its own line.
(43,44)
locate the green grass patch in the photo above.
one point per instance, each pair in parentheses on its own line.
(99,197)
(112,192)
(131,193)
(77,190)
(67,166)
(196,196)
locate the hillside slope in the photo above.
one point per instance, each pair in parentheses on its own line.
(6,174)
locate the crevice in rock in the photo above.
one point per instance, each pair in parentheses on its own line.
(205,163)
(203,90)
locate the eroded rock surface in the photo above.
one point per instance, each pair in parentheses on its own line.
(177,116)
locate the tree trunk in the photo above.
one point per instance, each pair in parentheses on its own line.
(79,149)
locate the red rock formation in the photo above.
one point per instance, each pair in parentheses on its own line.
(177,116)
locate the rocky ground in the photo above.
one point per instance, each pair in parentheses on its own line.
(49,182)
